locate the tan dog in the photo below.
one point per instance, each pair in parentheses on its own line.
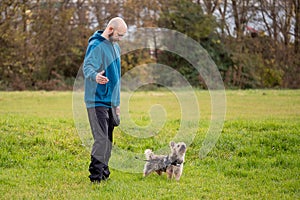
(172,164)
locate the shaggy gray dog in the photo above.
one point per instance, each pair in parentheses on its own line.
(172,164)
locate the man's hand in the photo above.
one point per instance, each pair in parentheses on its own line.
(118,112)
(100,78)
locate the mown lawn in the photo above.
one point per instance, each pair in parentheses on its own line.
(256,157)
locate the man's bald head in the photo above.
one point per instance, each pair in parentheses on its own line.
(118,23)
(115,29)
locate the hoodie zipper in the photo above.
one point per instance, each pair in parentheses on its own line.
(115,53)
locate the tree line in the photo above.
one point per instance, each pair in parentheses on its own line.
(254,43)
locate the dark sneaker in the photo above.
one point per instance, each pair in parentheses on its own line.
(96,170)
(106,173)
(95,181)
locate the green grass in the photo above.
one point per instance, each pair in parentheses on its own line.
(256,157)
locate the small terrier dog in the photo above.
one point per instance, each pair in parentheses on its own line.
(172,164)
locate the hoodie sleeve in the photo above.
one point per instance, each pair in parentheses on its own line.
(92,62)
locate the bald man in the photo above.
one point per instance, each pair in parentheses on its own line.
(102,73)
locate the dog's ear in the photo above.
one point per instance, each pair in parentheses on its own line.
(172,144)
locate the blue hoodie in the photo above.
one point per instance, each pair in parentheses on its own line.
(101,54)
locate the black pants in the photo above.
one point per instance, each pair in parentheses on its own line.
(100,119)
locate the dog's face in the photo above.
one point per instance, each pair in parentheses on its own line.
(178,148)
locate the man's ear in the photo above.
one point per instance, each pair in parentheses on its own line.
(111,29)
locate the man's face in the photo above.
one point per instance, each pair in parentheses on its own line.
(116,35)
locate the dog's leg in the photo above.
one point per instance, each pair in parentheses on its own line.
(178,172)
(159,172)
(147,169)
(177,176)
(170,172)
(147,172)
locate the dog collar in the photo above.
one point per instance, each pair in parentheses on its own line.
(175,162)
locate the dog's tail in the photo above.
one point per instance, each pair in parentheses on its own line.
(148,154)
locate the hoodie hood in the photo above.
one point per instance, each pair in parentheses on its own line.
(97,36)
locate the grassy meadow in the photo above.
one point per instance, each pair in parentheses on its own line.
(256,157)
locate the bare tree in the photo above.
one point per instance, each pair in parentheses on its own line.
(296,6)
(209,6)
(103,10)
